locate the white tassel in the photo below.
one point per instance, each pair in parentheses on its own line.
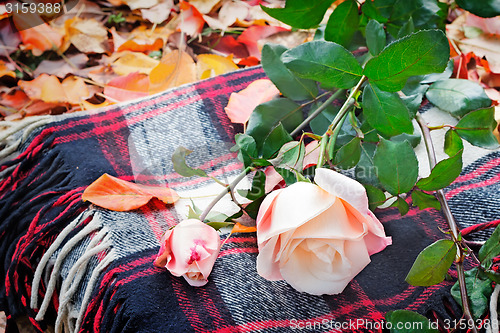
(50,251)
(494,310)
(90,287)
(69,286)
(90,227)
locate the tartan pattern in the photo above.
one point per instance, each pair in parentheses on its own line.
(40,192)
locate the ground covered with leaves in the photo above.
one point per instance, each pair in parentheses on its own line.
(103,52)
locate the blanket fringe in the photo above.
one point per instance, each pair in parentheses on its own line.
(69,318)
(18,131)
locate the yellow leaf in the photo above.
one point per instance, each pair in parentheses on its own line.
(176,68)
(131,62)
(5,71)
(87,35)
(210,65)
(75,89)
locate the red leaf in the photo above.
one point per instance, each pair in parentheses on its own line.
(192,21)
(241,104)
(252,35)
(124,88)
(119,195)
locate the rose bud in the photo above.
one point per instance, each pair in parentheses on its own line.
(189,250)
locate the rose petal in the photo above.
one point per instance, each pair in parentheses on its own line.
(343,187)
(303,270)
(267,267)
(299,203)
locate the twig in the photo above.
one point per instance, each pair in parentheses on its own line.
(317,111)
(455,233)
(228,188)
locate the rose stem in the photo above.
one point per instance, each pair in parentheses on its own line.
(228,188)
(449,219)
(316,112)
(338,120)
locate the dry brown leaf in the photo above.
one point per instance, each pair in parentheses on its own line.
(158,13)
(204,6)
(87,35)
(210,65)
(135,4)
(176,68)
(130,62)
(63,67)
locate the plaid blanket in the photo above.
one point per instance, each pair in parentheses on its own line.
(80,268)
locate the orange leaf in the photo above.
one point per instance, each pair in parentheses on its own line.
(131,45)
(238,227)
(174,69)
(125,88)
(15,98)
(192,21)
(241,104)
(48,89)
(39,38)
(120,195)
(252,35)
(5,71)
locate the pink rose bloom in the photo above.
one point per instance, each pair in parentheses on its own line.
(189,250)
(318,237)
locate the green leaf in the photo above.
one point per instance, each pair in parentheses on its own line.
(246,147)
(424,200)
(267,116)
(320,124)
(483,8)
(401,205)
(443,173)
(491,248)
(423,52)
(368,8)
(414,139)
(452,143)
(180,166)
(273,142)
(477,128)
(396,165)
(418,323)
(457,96)
(479,290)
(386,112)
(323,61)
(375,196)
(365,171)
(302,14)
(252,208)
(289,85)
(375,37)
(432,264)
(413,103)
(289,176)
(290,156)
(193,213)
(258,187)
(219,225)
(343,23)
(406,29)
(348,155)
